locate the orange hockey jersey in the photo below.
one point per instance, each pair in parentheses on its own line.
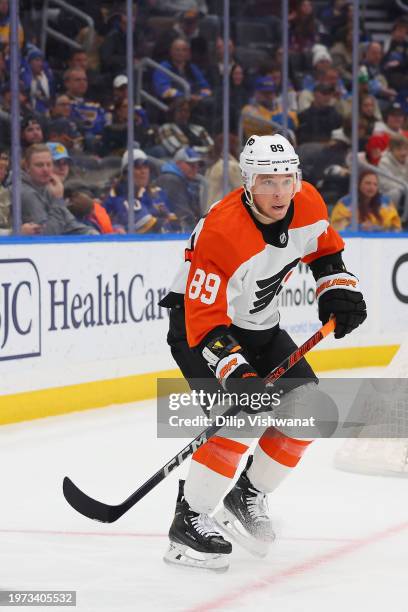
(236,266)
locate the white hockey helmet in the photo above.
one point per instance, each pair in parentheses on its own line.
(269,155)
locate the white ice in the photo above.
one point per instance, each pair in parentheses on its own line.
(343,538)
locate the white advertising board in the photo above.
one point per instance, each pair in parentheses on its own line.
(80,311)
(73,312)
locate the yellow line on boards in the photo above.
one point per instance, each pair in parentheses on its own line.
(61,400)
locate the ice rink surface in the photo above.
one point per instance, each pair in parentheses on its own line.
(342,538)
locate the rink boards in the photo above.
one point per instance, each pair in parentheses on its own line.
(80,325)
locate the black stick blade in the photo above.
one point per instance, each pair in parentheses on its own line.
(91,508)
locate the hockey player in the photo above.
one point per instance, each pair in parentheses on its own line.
(224,324)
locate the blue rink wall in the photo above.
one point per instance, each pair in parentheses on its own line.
(80,325)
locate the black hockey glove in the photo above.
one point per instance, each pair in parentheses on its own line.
(339,294)
(225,358)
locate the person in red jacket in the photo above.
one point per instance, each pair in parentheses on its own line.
(224,324)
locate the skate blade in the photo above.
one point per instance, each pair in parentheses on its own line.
(184,556)
(235,530)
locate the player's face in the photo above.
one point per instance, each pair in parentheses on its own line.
(272,194)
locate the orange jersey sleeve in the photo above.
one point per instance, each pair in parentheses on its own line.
(219,251)
(310,207)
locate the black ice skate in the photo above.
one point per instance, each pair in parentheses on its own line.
(244,516)
(195,540)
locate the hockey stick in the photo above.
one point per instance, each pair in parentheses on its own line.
(107,513)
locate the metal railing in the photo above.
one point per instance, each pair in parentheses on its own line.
(402,5)
(47,30)
(142,94)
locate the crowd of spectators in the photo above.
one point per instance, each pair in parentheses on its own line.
(74,112)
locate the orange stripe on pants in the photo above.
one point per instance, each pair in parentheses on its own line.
(221,455)
(286,451)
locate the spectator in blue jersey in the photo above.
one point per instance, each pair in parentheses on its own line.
(180,64)
(202,97)
(38,80)
(152,209)
(265,113)
(182,183)
(89,115)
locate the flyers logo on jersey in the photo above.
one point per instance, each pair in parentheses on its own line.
(270,287)
(336,282)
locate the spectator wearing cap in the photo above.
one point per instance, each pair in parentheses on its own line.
(180,132)
(89,115)
(31,131)
(183,185)
(38,200)
(66,132)
(394,162)
(376,145)
(115,134)
(265,115)
(152,208)
(120,95)
(317,122)
(61,160)
(113,49)
(273,70)
(394,121)
(38,80)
